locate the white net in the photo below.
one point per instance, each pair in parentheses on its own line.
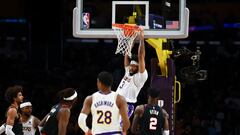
(126,37)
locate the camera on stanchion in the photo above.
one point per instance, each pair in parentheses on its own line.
(192,73)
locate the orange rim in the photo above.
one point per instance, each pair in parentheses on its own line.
(126,26)
(129,29)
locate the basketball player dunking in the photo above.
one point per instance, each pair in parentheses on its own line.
(135,76)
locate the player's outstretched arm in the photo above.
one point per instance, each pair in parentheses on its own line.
(36,122)
(42,123)
(63,119)
(135,123)
(123,109)
(11,115)
(126,60)
(166,124)
(86,109)
(141,52)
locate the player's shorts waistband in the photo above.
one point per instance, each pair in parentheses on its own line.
(111,133)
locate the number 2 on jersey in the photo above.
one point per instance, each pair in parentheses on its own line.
(153,123)
(104,117)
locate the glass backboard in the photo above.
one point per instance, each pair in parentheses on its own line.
(159,18)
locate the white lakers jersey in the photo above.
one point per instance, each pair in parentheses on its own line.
(28,128)
(105,114)
(130,86)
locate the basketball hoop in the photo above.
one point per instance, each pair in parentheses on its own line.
(126,34)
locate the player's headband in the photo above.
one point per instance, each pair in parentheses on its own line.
(25,104)
(71,97)
(133,62)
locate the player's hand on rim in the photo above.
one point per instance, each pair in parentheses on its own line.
(141,34)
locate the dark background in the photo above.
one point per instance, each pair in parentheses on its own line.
(37,51)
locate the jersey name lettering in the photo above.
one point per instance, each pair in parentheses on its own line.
(104,103)
(154,112)
(27,128)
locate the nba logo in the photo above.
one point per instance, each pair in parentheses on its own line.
(86,20)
